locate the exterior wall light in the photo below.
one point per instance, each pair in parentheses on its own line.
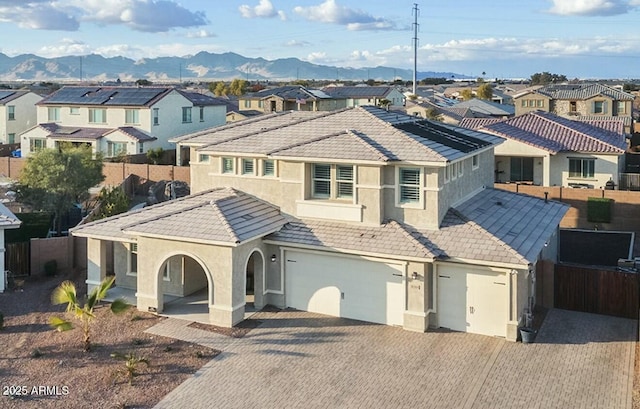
(414,275)
(273,258)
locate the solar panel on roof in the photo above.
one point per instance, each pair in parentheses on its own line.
(4,94)
(444,136)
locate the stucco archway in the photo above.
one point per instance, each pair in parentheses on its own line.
(254,281)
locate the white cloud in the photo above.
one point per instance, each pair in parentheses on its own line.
(201,34)
(50,16)
(264,9)
(297,43)
(592,7)
(332,13)
(67,46)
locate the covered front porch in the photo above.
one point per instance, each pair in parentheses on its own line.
(522,169)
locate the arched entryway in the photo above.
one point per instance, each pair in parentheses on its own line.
(185,289)
(254,273)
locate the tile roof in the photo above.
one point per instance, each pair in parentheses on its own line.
(135,133)
(289,92)
(390,238)
(217,215)
(478,123)
(610,123)
(496,226)
(8,219)
(487,107)
(396,135)
(557,134)
(73,132)
(107,96)
(358,91)
(582,91)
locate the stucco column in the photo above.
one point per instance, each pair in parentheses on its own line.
(546,170)
(416,317)
(178,155)
(96,263)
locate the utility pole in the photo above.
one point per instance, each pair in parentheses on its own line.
(415,46)
(80,68)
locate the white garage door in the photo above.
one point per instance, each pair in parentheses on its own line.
(472,300)
(345,287)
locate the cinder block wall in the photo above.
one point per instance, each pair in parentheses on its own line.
(59,249)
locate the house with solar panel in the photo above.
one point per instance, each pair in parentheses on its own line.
(120,120)
(366,95)
(17,113)
(361,213)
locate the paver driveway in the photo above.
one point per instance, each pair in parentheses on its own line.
(298,359)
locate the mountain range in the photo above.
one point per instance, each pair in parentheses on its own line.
(203,66)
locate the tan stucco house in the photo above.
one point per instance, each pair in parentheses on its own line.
(360,213)
(17,113)
(544,149)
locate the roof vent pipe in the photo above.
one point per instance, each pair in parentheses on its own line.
(546,197)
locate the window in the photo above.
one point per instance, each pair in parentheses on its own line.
(447,174)
(599,107)
(166,274)
(133,259)
(74,111)
(227,165)
(11,112)
(156,116)
(11,138)
(186,115)
(116,148)
(268,167)
(141,147)
(204,158)
(475,164)
(409,181)
(540,103)
(36,145)
(201,114)
(321,181)
(620,107)
(247,103)
(573,106)
(344,181)
(460,166)
(453,171)
(53,114)
(260,104)
(582,168)
(131,116)
(97,116)
(247,166)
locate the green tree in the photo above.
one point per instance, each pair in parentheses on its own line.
(545,78)
(384,103)
(154,155)
(65,293)
(485,91)
(143,82)
(433,114)
(238,87)
(112,201)
(55,179)
(218,88)
(466,94)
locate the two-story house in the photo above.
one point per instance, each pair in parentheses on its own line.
(585,101)
(288,98)
(17,113)
(120,120)
(360,213)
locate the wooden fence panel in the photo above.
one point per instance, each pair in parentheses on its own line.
(597,291)
(18,258)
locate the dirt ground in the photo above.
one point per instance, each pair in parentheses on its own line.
(43,368)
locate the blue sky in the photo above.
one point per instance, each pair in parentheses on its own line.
(502,38)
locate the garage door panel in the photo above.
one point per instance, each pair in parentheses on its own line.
(345,287)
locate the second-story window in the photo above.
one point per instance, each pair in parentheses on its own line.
(321,181)
(53,114)
(344,181)
(599,107)
(156,116)
(268,167)
(620,107)
(409,184)
(475,163)
(131,116)
(11,112)
(201,114)
(573,106)
(332,181)
(227,165)
(247,166)
(247,103)
(186,115)
(97,116)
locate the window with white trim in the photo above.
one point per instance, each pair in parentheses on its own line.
(53,114)
(599,107)
(620,107)
(344,181)
(247,166)
(582,168)
(204,158)
(447,174)
(453,171)
(409,184)
(321,176)
(227,165)
(460,166)
(74,111)
(116,148)
(37,144)
(201,114)
(332,181)
(11,112)
(11,138)
(156,116)
(247,103)
(97,116)
(133,259)
(475,162)
(268,167)
(186,115)
(131,116)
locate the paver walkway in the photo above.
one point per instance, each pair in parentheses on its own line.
(298,359)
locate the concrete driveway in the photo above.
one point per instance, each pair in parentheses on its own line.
(298,359)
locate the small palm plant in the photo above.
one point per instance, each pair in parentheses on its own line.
(66,293)
(131,364)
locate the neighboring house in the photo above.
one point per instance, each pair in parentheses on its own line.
(7,221)
(578,100)
(549,150)
(233,116)
(366,95)
(484,108)
(288,98)
(120,120)
(359,213)
(446,114)
(17,113)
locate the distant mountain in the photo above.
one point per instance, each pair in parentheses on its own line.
(203,66)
